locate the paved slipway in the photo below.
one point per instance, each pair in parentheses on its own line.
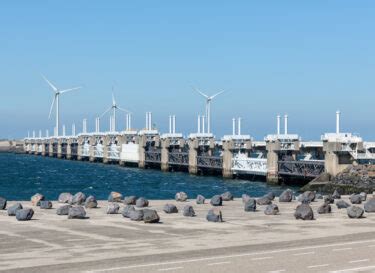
(245,242)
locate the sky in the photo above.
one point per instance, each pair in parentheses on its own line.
(306,59)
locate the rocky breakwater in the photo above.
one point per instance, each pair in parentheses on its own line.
(354,179)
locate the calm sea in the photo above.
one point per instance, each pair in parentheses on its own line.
(24,175)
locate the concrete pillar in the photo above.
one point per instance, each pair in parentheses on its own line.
(227,158)
(142,150)
(59,148)
(91,150)
(44,152)
(193,152)
(80,147)
(272,162)
(165,155)
(50,152)
(69,149)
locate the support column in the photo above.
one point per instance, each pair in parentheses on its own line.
(165,155)
(193,152)
(142,156)
(50,152)
(227,158)
(69,149)
(272,163)
(59,149)
(92,146)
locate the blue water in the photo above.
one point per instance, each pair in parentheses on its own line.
(24,175)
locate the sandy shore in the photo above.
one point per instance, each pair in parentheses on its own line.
(50,239)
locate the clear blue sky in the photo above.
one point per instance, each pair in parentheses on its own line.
(304,58)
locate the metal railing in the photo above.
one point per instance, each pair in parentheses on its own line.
(213,162)
(178,158)
(301,168)
(250,165)
(153,156)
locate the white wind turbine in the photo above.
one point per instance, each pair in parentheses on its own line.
(208,106)
(57,92)
(114,107)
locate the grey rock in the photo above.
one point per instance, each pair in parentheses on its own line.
(262,201)
(216,200)
(45,204)
(309,195)
(77,212)
(355,212)
(304,212)
(250,205)
(170,208)
(36,198)
(115,197)
(363,196)
(341,204)
(13,209)
(188,211)
(150,216)
(325,208)
(126,211)
(245,198)
(63,210)
(214,215)
(3,203)
(181,196)
(24,214)
(200,199)
(355,199)
(91,203)
(65,197)
(113,208)
(271,209)
(329,199)
(336,195)
(227,196)
(130,200)
(271,195)
(286,196)
(78,199)
(136,215)
(370,205)
(141,202)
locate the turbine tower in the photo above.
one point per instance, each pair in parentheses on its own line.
(208,107)
(55,101)
(114,107)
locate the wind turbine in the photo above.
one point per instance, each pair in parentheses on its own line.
(208,106)
(114,107)
(57,92)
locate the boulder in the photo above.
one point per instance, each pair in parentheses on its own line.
(370,205)
(63,210)
(325,208)
(227,196)
(262,201)
(150,216)
(318,196)
(181,196)
(36,198)
(130,200)
(24,214)
(355,199)
(45,204)
(113,208)
(3,203)
(141,202)
(363,196)
(216,200)
(136,215)
(303,199)
(126,211)
(271,209)
(170,208)
(91,203)
(355,212)
(286,196)
(13,209)
(329,199)
(271,195)
(341,204)
(65,197)
(200,199)
(336,195)
(77,212)
(304,212)
(309,195)
(78,199)
(188,211)
(214,215)
(245,198)
(115,197)
(250,205)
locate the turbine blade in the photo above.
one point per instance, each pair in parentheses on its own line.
(106,111)
(217,94)
(113,99)
(204,95)
(49,83)
(53,103)
(70,89)
(124,110)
